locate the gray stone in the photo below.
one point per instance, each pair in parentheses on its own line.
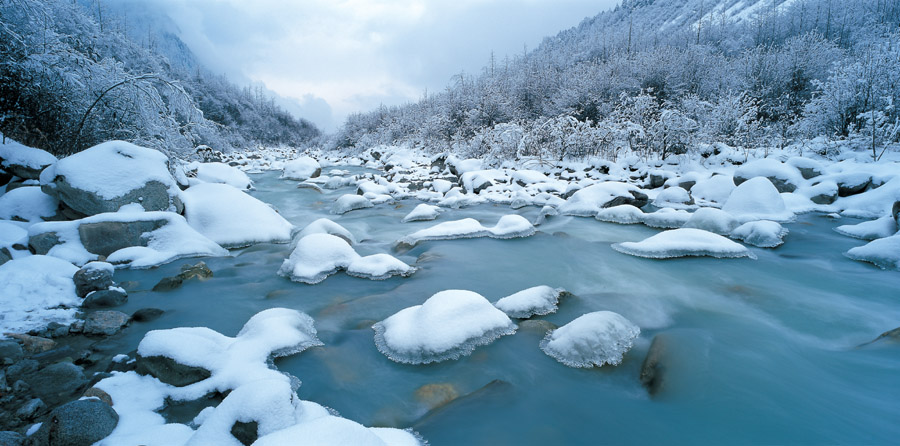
(895,212)
(246,433)
(106,237)
(168,284)
(852,184)
(92,279)
(100,394)
(10,438)
(687,184)
(199,271)
(809,172)
(824,198)
(153,196)
(146,314)
(5,255)
(33,344)
(653,369)
(637,199)
(656,180)
(20,369)
(169,371)
(43,242)
(106,322)
(56,382)
(78,423)
(10,351)
(781,184)
(31,409)
(105,298)
(5,177)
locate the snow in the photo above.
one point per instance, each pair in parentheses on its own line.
(757,199)
(592,340)
(34,291)
(712,220)
(325,226)
(871,204)
(300,169)
(529,176)
(350,202)
(11,234)
(715,189)
(760,233)
(14,153)
(441,186)
(674,197)
(232,218)
(114,168)
(535,301)
(221,173)
(805,163)
(590,200)
(667,218)
(27,203)
(623,214)
(509,226)
(682,243)
(336,431)
(870,230)
(771,168)
(450,324)
(317,256)
(423,212)
(883,252)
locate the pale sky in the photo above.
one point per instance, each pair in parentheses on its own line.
(336,57)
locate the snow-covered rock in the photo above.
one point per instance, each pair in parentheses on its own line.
(34,291)
(592,340)
(808,168)
(590,200)
(336,431)
(23,161)
(870,230)
(712,220)
(509,226)
(423,212)
(883,252)
(667,218)
(450,324)
(325,226)
(110,175)
(757,199)
(625,214)
(27,204)
(761,233)
(535,301)
(301,169)
(221,173)
(232,218)
(683,243)
(317,256)
(715,189)
(784,177)
(350,202)
(674,197)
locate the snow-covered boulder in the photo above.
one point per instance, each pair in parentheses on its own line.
(220,173)
(11,234)
(350,202)
(23,161)
(36,290)
(317,256)
(667,218)
(336,431)
(535,301)
(757,199)
(807,167)
(824,192)
(674,197)
(423,212)
(301,169)
(870,230)
(712,220)
(592,340)
(590,200)
(450,324)
(110,175)
(760,233)
(625,214)
(883,252)
(27,204)
(325,226)
(232,218)
(509,226)
(784,177)
(852,183)
(715,189)
(683,243)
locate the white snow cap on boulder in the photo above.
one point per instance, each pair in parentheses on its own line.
(592,340)
(34,291)
(448,325)
(684,242)
(113,174)
(590,200)
(317,256)
(757,199)
(23,161)
(325,226)
(712,220)
(423,212)
(221,173)
(534,301)
(509,226)
(350,202)
(883,252)
(27,203)
(233,218)
(761,233)
(624,214)
(784,177)
(301,169)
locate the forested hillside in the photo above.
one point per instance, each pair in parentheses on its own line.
(70,79)
(662,77)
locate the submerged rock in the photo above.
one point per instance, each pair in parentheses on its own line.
(147,314)
(892,335)
(436,395)
(653,370)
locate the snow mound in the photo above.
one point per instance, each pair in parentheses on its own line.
(674,197)
(301,169)
(883,252)
(712,220)
(874,203)
(233,218)
(423,212)
(448,325)
(317,256)
(683,243)
(27,204)
(870,230)
(625,214)
(715,189)
(34,291)
(325,226)
(221,173)
(757,199)
(509,226)
(336,431)
(667,218)
(535,301)
(761,233)
(592,340)
(589,201)
(350,202)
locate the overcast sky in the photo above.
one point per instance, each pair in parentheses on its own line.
(342,56)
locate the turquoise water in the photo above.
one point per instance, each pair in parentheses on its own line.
(762,351)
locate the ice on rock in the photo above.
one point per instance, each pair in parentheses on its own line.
(301,169)
(883,252)
(232,218)
(317,256)
(870,230)
(28,204)
(674,197)
(667,218)
(589,201)
(350,202)
(715,189)
(592,340)
(761,233)
(325,226)
(624,214)
(34,291)
(684,242)
(757,199)
(509,226)
(712,220)
(535,301)
(450,324)
(423,212)
(221,173)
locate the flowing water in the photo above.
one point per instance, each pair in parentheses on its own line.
(760,351)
